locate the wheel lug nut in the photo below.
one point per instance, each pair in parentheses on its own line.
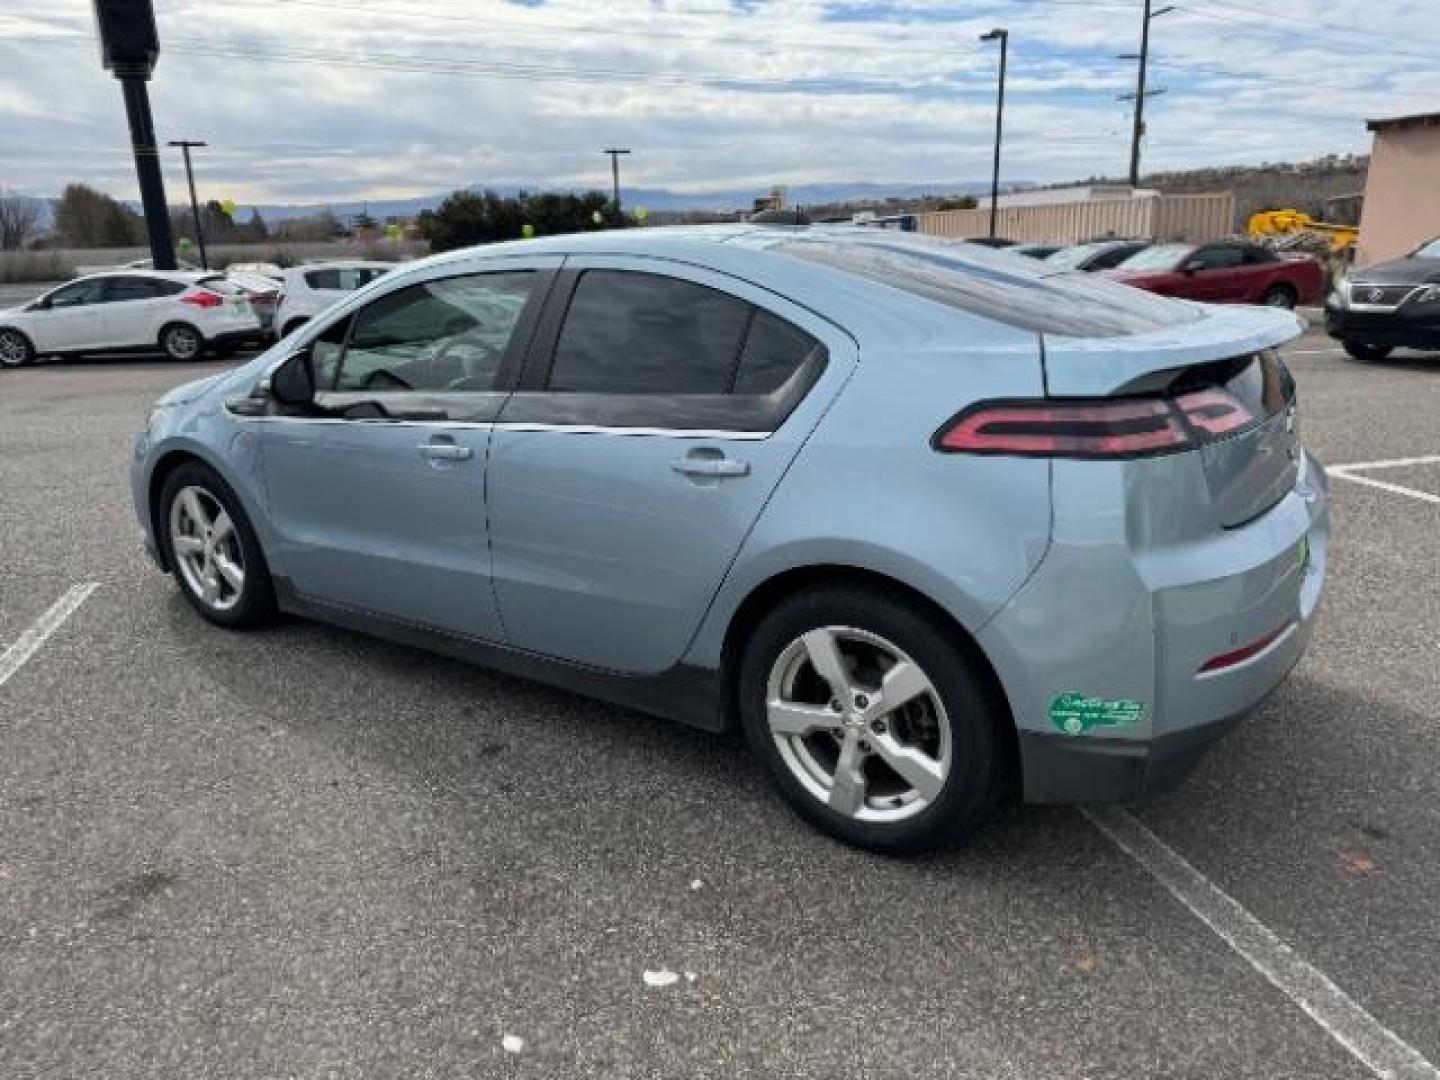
(835,706)
(878,727)
(861,701)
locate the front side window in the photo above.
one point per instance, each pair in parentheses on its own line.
(636,333)
(1219,258)
(78,294)
(439,336)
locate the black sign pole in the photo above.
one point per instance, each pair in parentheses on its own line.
(129,47)
(147,169)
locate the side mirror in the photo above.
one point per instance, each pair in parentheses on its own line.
(293,382)
(1189,266)
(43,304)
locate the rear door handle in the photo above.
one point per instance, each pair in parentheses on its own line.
(711,466)
(445,451)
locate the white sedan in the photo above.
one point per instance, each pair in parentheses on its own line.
(309,290)
(181,314)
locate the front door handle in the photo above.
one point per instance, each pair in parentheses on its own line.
(445,451)
(711,466)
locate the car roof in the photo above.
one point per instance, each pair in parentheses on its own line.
(186,277)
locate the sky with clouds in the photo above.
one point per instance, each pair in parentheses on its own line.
(316,100)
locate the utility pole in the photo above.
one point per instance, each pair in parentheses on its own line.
(1143,56)
(1001,35)
(185,145)
(615,174)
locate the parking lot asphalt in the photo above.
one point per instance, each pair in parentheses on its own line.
(306,853)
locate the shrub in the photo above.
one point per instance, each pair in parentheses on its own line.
(23,266)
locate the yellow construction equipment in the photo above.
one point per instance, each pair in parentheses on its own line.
(1296,223)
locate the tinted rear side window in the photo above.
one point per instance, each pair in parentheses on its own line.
(634,333)
(774,351)
(996,285)
(342,278)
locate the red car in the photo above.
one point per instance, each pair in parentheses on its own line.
(1225,273)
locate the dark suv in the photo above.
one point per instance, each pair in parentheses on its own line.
(1389,305)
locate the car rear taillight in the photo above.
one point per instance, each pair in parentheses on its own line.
(202,298)
(1100,428)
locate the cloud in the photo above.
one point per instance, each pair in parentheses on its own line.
(310,100)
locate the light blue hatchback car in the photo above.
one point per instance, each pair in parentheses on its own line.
(932,524)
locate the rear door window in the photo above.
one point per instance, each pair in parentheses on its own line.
(636,333)
(120,289)
(342,278)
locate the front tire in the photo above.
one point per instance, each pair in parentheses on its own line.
(212,550)
(1367,354)
(872,723)
(15,349)
(181,342)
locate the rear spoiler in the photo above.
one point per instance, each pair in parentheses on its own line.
(1097,367)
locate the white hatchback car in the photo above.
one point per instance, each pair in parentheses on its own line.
(179,313)
(309,290)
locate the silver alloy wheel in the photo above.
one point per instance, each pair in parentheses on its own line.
(181,343)
(859,724)
(1278,298)
(207,548)
(12,349)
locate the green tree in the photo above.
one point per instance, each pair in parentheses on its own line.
(89,218)
(468,217)
(963,202)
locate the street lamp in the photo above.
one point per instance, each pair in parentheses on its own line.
(615,173)
(1001,35)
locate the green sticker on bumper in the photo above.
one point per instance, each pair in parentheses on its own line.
(1075,714)
(1304,554)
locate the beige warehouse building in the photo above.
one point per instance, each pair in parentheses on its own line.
(1402,192)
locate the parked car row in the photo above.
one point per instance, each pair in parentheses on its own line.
(1225,271)
(181,313)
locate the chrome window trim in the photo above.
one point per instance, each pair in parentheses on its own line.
(653,432)
(574,429)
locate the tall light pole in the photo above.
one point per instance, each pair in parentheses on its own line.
(129,47)
(1001,35)
(1143,56)
(185,145)
(615,174)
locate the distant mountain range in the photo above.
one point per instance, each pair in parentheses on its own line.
(649,198)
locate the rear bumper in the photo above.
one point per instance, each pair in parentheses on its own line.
(1125,618)
(1400,328)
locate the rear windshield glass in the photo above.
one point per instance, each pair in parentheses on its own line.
(1429,251)
(997,285)
(1072,257)
(218,284)
(1160,257)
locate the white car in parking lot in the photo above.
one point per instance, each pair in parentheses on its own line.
(181,314)
(309,290)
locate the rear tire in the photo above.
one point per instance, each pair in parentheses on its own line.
(1280,296)
(15,349)
(1367,354)
(211,549)
(908,753)
(181,342)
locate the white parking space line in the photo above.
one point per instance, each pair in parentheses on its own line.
(1381,1051)
(1349,472)
(1312,352)
(38,632)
